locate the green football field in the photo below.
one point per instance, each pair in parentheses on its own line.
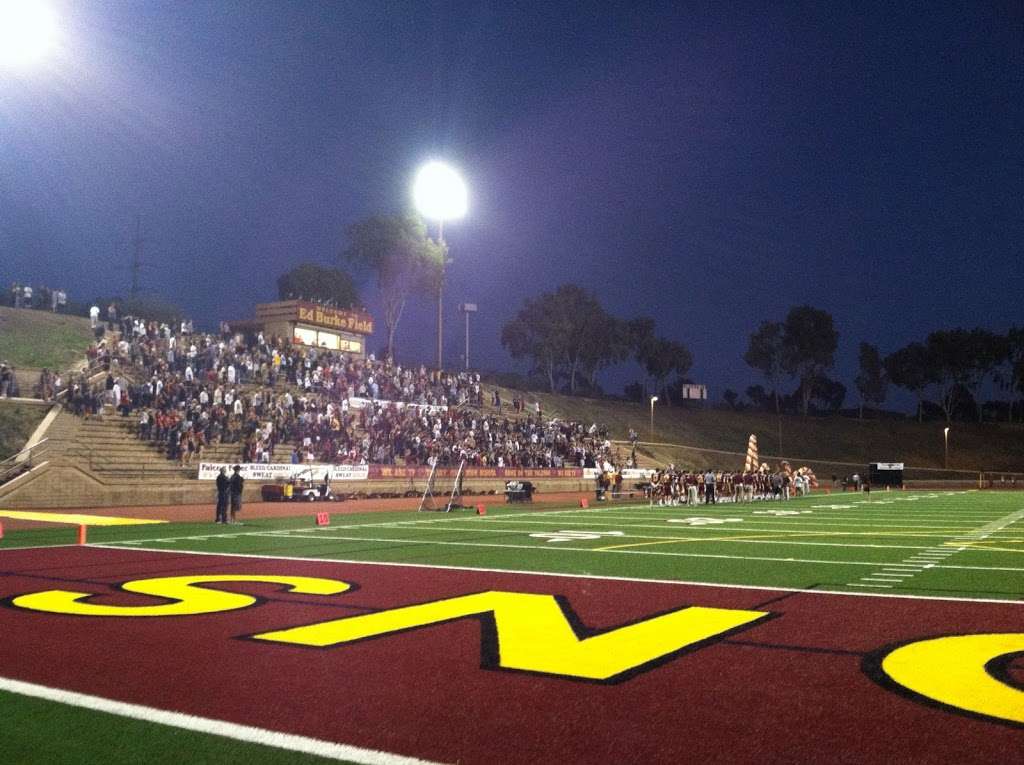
(960,544)
(957,545)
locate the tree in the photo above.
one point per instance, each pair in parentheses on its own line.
(540,332)
(592,337)
(1011,377)
(809,341)
(912,369)
(962,360)
(319,284)
(872,381)
(405,261)
(765,353)
(758,397)
(568,335)
(664,358)
(731,398)
(828,394)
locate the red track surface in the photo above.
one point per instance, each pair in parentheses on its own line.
(786,689)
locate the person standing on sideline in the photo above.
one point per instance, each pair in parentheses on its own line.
(223,487)
(237,483)
(709,488)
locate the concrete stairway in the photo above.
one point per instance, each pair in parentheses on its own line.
(110,448)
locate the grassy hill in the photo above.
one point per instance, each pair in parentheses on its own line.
(805,440)
(17,421)
(37,339)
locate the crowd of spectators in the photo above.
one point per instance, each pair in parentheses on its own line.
(188,390)
(42,298)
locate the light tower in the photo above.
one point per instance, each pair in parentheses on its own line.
(439,194)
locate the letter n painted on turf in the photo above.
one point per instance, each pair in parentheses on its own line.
(189,599)
(957,671)
(533,633)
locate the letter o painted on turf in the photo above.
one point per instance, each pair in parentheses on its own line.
(189,599)
(953,671)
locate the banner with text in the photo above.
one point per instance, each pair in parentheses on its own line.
(628,474)
(423,471)
(284,471)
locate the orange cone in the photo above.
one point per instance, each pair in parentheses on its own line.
(82,534)
(584,502)
(1,531)
(481,510)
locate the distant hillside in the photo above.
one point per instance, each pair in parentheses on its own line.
(30,338)
(17,421)
(804,440)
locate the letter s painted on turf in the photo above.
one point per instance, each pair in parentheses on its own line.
(189,599)
(955,671)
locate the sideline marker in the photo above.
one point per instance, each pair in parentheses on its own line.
(1,531)
(323,519)
(82,534)
(481,509)
(584,502)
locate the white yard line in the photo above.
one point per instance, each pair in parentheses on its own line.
(601,577)
(591,550)
(782,540)
(247,733)
(930,559)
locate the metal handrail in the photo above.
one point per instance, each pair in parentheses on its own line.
(22,460)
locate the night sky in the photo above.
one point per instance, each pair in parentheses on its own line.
(709,165)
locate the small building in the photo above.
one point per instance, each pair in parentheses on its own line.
(314,325)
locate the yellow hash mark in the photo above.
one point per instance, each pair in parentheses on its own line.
(986,546)
(76,519)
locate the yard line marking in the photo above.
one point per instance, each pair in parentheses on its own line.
(783,537)
(611,552)
(602,577)
(854,584)
(933,558)
(222,728)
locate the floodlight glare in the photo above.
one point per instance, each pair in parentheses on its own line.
(439,193)
(26,32)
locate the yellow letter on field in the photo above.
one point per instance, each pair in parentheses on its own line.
(533,634)
(189,598)
(951,670)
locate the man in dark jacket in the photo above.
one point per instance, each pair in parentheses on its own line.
(236,493)
(223,486)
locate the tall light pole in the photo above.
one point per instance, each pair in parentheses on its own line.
(653,399)
(467,309)
(945,436)
(439,194)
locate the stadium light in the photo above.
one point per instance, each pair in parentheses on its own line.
(439,194)
(653,400)
(945,435)
(27,32)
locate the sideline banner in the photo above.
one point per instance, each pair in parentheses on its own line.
(284,471)
(423,471)
(628,474)
(361,403)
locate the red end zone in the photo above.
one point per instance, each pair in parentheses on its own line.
(800,685)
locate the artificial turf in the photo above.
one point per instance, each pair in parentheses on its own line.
(961,545)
